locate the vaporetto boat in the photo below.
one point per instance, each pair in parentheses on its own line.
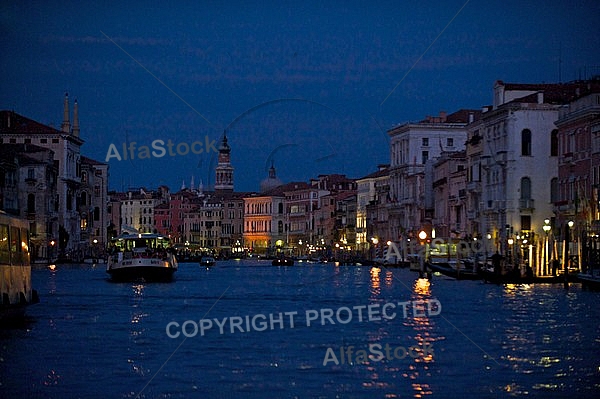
(15,270)
(141,256)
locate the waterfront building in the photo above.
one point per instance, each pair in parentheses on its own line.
(367,193)
(449,195)
(231,236)
(66,144)
(519,163)
(474,152)
(28,187)
(92,206)
(265,222)
(202,224)
(378,211)
(574,192)
(137,210)
(413,149)
(345,220)
(113,211)
(337,202)
(169,217)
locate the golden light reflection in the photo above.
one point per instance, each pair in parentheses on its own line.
(423,338)
(138,289)
(52,267)
(375,282)
(513,289)
(422,287)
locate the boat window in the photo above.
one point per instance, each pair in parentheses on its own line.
(4,254)
(15,239)
(25,244)
(15,245)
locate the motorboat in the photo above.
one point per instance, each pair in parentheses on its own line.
(142,256)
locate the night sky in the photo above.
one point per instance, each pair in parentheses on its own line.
(311,86)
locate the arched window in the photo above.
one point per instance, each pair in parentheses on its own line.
(526,142)
(525,188)
(280,208)
(280,226)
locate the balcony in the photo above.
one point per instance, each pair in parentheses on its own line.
(526,204)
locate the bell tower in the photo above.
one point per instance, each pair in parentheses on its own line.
(224,170)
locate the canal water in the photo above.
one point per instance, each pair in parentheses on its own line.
(306,331)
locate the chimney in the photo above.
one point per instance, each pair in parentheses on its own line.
(540,97)
(66,125)
(471,117)
(443,115)
(75,119)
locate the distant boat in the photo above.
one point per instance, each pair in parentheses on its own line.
(283,262)
(147,257)
(453,269)
(207,261)
(15,268)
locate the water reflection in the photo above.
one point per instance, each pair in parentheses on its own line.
(424,338)
(375,282)
(137,331)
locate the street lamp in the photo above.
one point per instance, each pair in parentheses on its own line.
(51,254)
(511,241)
(94,250)
(546,229)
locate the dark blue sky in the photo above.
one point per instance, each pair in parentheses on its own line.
(325,72)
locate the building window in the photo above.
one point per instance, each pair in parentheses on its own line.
(525,222)
(424,157)
(30,173)
(96,213)
(84,177)
(31,203)
(525,188)
(554,143)
(450,142)
(554,190)
(425,141)
(43,141)
(54,141)
(526,142)
(27,141)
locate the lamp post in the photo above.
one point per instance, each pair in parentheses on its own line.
(51,252)
(422,238)
(511,241)
(566,262)
(546,229)
(94,250)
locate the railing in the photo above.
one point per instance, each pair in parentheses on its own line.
(526,204)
